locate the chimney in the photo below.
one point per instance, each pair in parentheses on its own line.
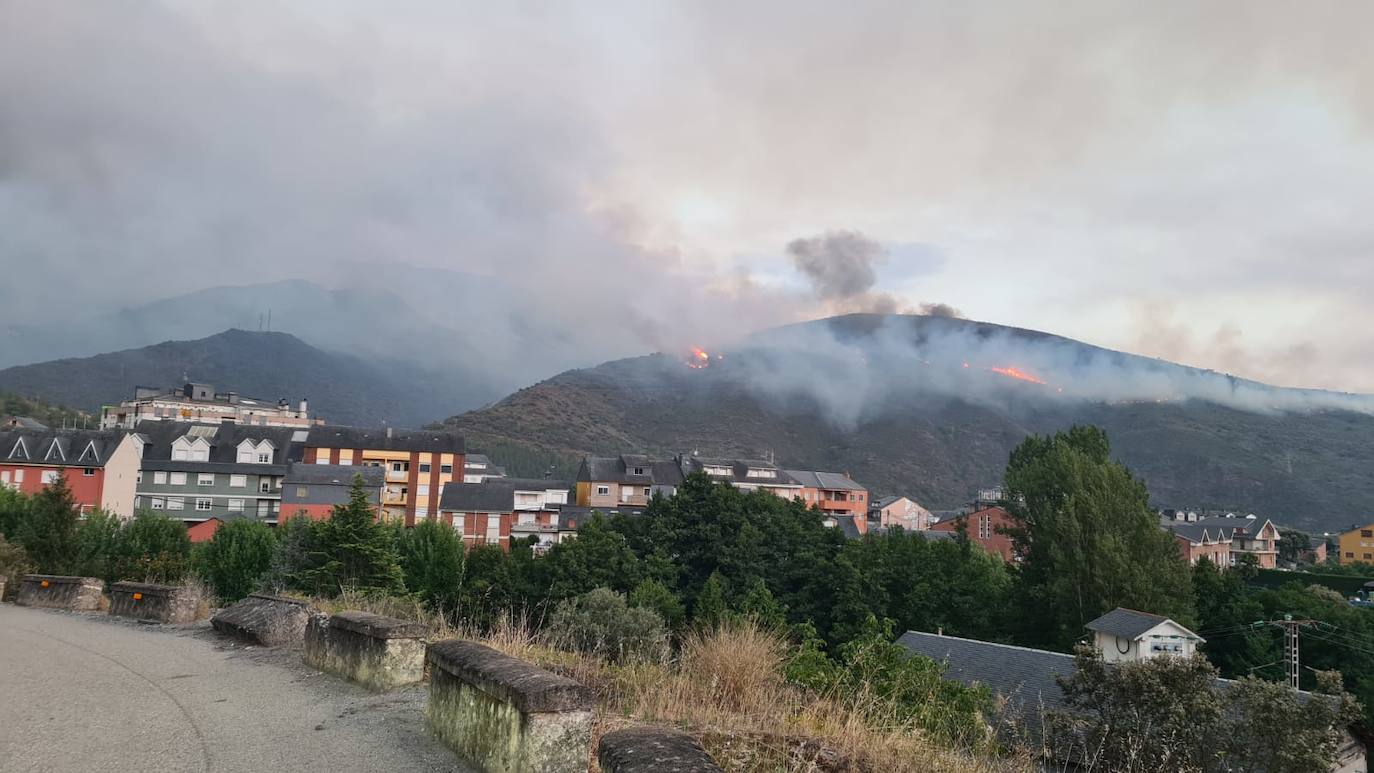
(305,406)
(388,433)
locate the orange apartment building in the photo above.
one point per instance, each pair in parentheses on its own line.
(985,527)
(418,464)
(835,494)
(101,466)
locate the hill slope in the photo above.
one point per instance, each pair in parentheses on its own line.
(932,408)
(341,388)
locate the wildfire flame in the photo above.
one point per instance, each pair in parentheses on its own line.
(698,358)
(1018,374)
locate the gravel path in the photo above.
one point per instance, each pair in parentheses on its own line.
(85,692)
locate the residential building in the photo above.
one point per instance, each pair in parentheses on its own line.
(744,474)
(1249,534)
(313,490)
(497,511)
(229,471)
(852,526)
(833,493)
(478,468)
(1024,684)
(1196,541)
(419,464)
(101,466)
(194,402)
(204,531)
(1357,545)
(900,511)
(1314,552)
(987,527)
(628,480)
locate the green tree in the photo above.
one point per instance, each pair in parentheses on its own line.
(599,557)
(1312,727)
(48,531)
(759,606)
(709,608)
(296,553)
(238,560)
(1088,539)
(1226,613)
(353,550)
(432,561)
(97,538)
(14,563)
(654,595)
(151,548)
(14,509)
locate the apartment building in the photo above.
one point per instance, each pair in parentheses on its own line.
(628,480)
(1241,534)
(888,512)
(744,474)
(833,493)
(418,464)
(314,490)
(478,468)
(1356,546)
(986,527)
(497,511)
(101,466)
(200,403)
(228,471)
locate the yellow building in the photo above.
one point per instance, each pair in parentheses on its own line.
(1357,545)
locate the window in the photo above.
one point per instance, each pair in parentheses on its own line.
(422,490)
(265,486)
(302,491)
(203,504)
(1349,555)
(160,478)
(157,503)
(236,505)
(238,481)
(603,490)
(445,469)
(322,459)
(138,476)
(755,472)
(985,527)
(400,466)
(1368,556)
(180,454)
(648,491)
(18,476)
(493,528)
(458,520)
(49,477)
(138,502)
(88,472)
(424,467)
(265,458)
(176,503)
(177,479)
(1367,532)
(639,471)
(205,479)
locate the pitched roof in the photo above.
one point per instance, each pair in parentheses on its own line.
(571,517)
(1197,532)
(422,440)
(824,480)
(845,523)
(620,469)
(493,496)
(224,439)
(739,471)
(886,501)
(333,475)
(59,447)
(1128,623)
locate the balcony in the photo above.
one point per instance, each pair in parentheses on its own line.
(393,475)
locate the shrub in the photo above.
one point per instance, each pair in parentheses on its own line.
(432,561)
(96,539)
(14,562)
(238,559)
(151,548)
(601,623)
(654,595)
(296,541)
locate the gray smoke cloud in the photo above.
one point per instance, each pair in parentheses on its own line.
(839,264)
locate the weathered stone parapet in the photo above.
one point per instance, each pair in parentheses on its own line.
(500,713)
(264,619)
(377,652)
(653,750)
(59,592)
(160,603)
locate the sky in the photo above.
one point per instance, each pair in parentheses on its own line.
(1183,180)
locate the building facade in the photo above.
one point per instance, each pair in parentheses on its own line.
(888,512)
(418,464)
(1196,542)
(478,468)
(228,471)
(833,493)
(101,466)
(314,490)
(497,511)
(1357,545)
(744,474)
(987,527)
(628,480)
(194,402)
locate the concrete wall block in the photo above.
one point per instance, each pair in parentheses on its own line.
(60,592)
(653,750)
(377,652)
(160,603)
(502,714)
(264,619)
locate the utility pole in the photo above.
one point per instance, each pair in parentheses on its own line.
(1290,644)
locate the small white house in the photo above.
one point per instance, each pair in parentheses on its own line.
(1124,635)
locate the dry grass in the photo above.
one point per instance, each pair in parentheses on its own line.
(725,686)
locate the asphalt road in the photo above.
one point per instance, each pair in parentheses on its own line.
(85,692)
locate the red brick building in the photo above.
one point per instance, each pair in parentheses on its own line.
(835,494)
(101,466)
(986,527)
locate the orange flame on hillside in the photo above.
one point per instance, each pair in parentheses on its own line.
(698,358)
(1018,374)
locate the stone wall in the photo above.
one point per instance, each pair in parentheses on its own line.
(160,603)
(264,619)
(653,750)
(377,652)
(59,592)
(503,714)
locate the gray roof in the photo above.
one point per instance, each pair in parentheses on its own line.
(845,523)
(620,469)
(1128,623)
(224,439)
(571,517)
(333,475)
(1022,677)
(885,501)
(824,480)
(739,471)
(422,440)
(937,535)
(1197,532)
(60,448)
(493,496)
